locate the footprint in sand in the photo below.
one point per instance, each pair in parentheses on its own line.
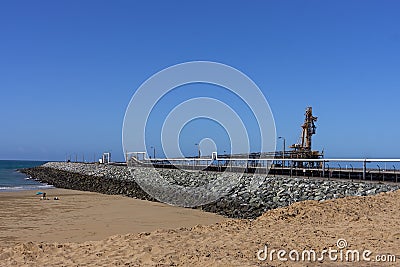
(396,236)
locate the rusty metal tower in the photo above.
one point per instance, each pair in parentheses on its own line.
(308,130)
(303,148)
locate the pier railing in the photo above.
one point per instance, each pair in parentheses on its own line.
(322,168)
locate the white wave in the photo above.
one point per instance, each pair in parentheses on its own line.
(25,187)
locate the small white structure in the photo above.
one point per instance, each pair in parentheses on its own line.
(106,158)
(136,156)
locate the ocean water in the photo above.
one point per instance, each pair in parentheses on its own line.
(12,180)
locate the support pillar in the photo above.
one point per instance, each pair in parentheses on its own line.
(364,169)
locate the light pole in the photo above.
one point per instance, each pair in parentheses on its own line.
(154,152)
(198,149)
(284,150)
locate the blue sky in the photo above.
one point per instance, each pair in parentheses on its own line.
(69,68)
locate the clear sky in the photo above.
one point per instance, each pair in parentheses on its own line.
(69,68)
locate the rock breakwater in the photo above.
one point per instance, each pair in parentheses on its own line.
(249,197)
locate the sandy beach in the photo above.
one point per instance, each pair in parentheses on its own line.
(85,216)
(60,232)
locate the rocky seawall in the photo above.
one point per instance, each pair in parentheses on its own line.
(88,177)
(249,197)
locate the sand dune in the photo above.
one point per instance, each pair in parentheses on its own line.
(364,222)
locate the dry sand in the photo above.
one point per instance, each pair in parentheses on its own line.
(85,216)
(365,222)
